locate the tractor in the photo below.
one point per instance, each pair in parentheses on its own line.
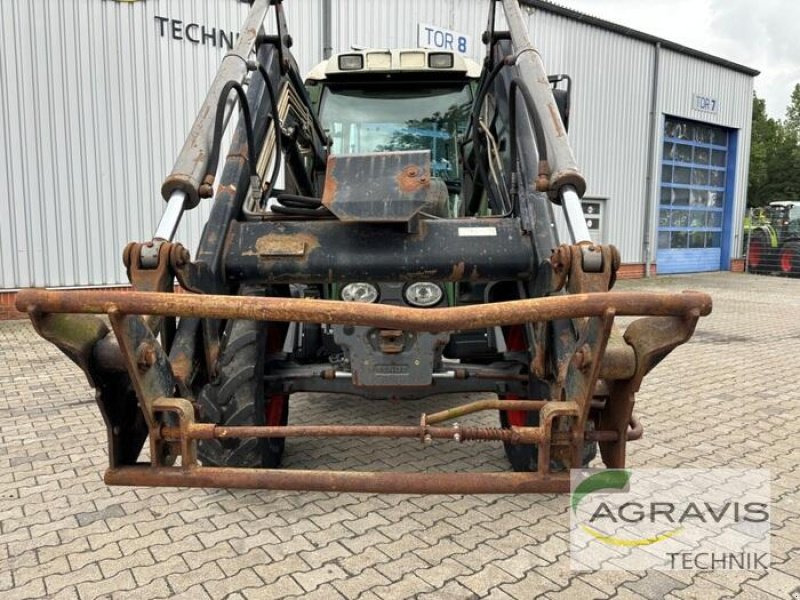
(385,227)
(774,240)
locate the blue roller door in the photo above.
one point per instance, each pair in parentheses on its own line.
(695,175)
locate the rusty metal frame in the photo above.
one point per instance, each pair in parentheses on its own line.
(560,435)
(374,315)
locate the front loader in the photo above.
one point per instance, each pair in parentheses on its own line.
(386,228)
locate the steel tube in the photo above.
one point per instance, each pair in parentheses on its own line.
(257,251)
(481,405)
(211,431)
(171,217)
(635,432)
(374,315)
(527,435)
(573,213)
(340,481)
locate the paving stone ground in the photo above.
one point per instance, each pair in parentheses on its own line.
(731,397)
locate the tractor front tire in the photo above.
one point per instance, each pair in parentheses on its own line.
(231,398)
(521,457)
(276,413)
(789,259)
(758,253)
(525,457)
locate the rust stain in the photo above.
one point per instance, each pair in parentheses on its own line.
(277,245)
(417,275)
(182,367)
(331,185)
(226,189)
(556,118)
(412,178)
(458,272)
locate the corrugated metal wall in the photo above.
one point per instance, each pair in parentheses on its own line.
(394,23)
(684,76)
(96,102)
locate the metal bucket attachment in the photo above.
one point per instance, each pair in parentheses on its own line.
(382,187)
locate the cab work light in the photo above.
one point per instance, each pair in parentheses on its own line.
(351,62)
(440,60)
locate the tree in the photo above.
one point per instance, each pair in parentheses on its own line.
(763,140)
(792,123)
(774,154)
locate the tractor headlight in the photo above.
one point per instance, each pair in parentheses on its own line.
(423,294)
(351,62)
(440,60)
(360,292)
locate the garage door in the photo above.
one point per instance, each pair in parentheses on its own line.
(694,176)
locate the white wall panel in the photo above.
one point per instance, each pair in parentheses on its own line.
(95,104)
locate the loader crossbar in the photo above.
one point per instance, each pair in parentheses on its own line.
(307,310)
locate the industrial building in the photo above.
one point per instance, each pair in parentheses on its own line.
(98,96)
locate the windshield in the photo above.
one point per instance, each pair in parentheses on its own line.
(389,118)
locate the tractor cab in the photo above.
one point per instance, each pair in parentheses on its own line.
(395,101)
(785,217)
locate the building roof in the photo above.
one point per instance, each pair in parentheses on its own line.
(639,35)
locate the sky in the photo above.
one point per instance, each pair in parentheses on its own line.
(761,34)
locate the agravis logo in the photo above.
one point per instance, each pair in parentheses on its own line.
(603,482)
(639,519)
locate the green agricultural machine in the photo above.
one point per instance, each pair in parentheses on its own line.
(773,244)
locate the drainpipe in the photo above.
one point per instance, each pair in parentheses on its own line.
(650,191)
(327,30)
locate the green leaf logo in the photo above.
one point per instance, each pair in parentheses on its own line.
(612,479)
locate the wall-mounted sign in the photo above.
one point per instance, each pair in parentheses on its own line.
(593,210)
(705,103)
(431,36)
(195,33)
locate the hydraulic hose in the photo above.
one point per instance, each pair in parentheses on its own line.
(206,190)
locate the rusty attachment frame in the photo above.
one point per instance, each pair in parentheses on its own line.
(381,316)
(169,420)
(192,475)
